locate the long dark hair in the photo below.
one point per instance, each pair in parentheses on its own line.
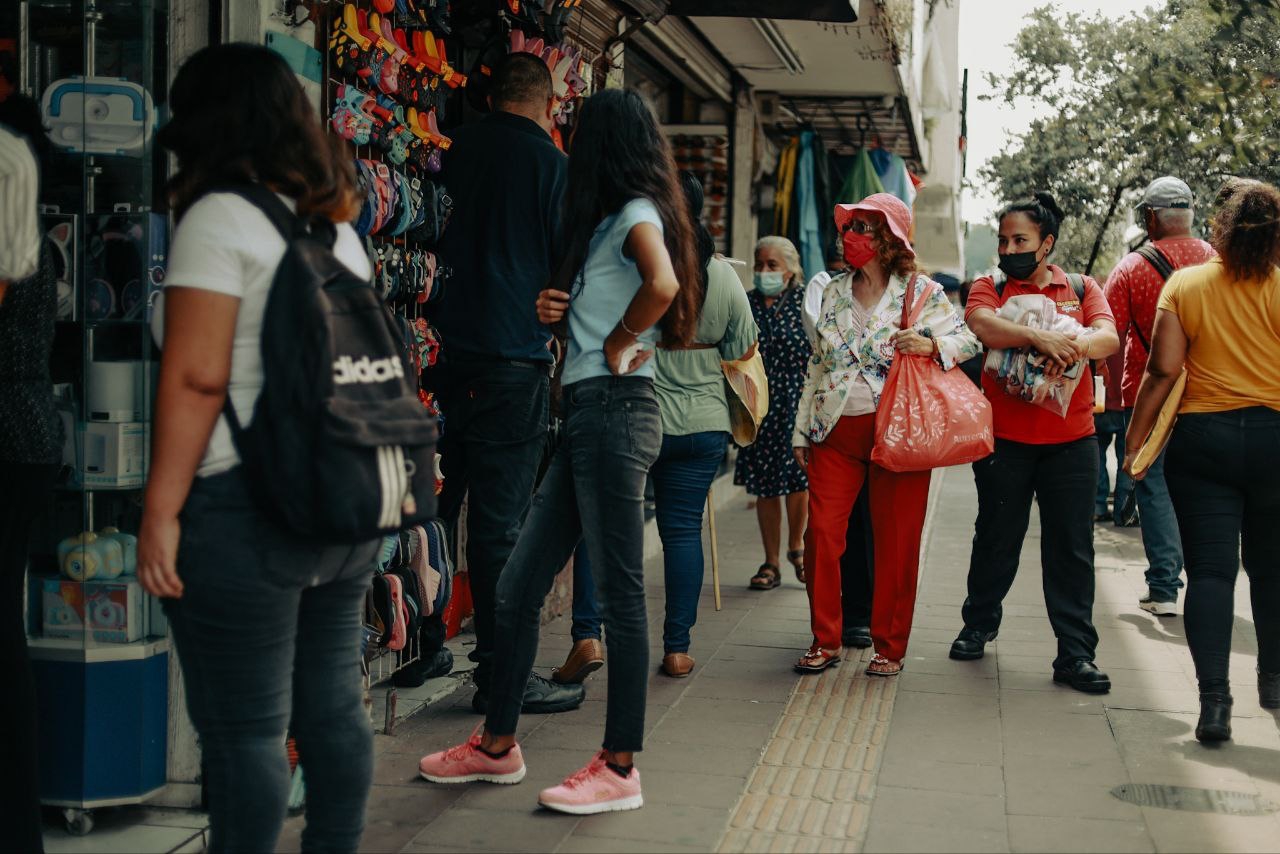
(1246,231)
(620,154)
(706,244)
(239,114)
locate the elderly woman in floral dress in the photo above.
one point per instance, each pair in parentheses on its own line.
(858,334)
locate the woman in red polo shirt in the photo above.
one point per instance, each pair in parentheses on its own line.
(1039,453)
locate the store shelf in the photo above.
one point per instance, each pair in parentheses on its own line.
(91,651)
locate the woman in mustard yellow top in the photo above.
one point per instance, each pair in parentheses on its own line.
(1221,321)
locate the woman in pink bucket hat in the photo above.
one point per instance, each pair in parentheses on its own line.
(858,333)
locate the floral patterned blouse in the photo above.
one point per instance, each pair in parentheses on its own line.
(839,354)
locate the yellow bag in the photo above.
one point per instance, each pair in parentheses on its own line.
(1163,429)
(747,391)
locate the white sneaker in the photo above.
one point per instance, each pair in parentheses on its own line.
(1157,607)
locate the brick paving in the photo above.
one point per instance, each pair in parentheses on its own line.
(988,755)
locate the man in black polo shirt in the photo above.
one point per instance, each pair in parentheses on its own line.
(506,178)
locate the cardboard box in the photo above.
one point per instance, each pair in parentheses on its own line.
(115,610)
(114,453)
(62,608)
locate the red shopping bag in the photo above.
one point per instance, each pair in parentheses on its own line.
(929,418)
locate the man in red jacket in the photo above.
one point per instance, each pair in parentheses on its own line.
(1133,290)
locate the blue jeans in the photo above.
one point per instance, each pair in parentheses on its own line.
(1160,536)
(683,474)
(268,631)
(1111,429)
(594,490)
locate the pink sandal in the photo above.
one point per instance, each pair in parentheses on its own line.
(881,666)
(817,659)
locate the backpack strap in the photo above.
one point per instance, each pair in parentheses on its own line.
(1153,256)
(998,281)
(1077,284)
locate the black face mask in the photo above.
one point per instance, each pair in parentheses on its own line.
(1019,265)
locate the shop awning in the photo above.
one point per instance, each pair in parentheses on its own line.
(832,11)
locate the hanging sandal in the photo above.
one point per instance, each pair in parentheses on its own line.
(796,557)
(767,577)
(881,666)
(817,660)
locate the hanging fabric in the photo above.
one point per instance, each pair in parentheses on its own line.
(808,230)
(862,181)
(894,175)
(786,183)
(824,190)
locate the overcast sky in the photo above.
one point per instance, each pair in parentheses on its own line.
(987,27)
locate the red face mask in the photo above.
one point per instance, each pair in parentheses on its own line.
(858,248)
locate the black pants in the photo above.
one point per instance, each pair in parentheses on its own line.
(857,566)
(23,497)
(1063,479)
(1221,470)
(495,433)
(593,493)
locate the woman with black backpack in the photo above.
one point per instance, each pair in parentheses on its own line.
(266,622)
(630,277)
(1041,454)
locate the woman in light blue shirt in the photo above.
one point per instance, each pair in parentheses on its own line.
(630,279)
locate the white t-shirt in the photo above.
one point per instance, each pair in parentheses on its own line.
(226,245)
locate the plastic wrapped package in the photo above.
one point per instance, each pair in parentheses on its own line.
(1021,372)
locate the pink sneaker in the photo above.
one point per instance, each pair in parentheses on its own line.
(467,763)
(594,789)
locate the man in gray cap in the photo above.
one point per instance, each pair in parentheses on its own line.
(1133,289)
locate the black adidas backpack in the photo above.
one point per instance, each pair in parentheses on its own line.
(340,448)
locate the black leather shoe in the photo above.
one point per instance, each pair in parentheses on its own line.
(858,637)
(438,664)
(541,697)
(1215,718)
(1083,676)
(970,644)
(1269,690)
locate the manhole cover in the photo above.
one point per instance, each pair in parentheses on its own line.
(1191,799)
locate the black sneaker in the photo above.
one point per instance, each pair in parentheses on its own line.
(970,644)
(541,697)
(1159,606)
(428,667)
(1083,676)
(858,637)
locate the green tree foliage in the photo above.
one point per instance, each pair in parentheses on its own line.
(1188,89)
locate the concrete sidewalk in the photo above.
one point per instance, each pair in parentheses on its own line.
(988,755)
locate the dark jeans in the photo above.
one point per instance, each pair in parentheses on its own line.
(1062,478)
(587,622)
(268,632)
(24,496)
(1160,538)
(1111,429)
(593,491)
(1222,475)
(682,476)
(494,436)
(857,566)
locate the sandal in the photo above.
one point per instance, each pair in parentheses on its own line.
(796,557)
(767,577)
(817,659)
(881,666)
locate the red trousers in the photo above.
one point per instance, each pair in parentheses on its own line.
(838,468)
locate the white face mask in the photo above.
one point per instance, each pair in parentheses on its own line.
(770,282)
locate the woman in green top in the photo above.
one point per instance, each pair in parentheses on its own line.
(695,433)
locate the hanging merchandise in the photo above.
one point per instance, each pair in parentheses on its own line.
(894,175)
(785,184)
(808,225)
(861,182)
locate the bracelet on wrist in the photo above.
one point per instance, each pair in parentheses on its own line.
(622,321)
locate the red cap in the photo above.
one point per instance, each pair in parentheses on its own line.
(892,209)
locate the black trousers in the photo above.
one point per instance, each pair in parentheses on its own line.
(24,496)
(1221,470)
(1063,478)
(857,566)
(495,434)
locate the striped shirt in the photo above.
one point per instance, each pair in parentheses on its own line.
(19,232)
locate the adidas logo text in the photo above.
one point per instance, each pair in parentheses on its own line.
(365,370)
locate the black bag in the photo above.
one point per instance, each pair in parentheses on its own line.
(340,448)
